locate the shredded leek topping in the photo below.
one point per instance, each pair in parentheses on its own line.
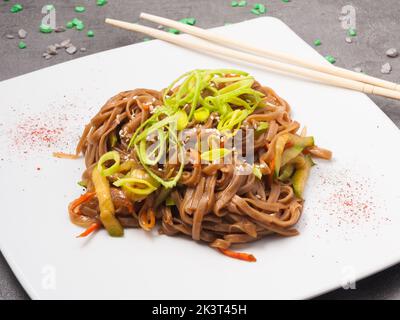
(201,114)
(183,102)
(143,186)
(215,154)
(262,126)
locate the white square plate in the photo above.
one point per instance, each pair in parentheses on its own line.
(350,224)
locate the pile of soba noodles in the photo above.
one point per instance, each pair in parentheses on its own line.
(141,172)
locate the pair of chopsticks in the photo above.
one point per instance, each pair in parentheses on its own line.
(206,41)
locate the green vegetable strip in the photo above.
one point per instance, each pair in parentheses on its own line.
(160,148)
(263,126)
(197,92)
(154,127)
(230,79)
(107,210)
(128,182)
(215,154)
(201,114)
(237,85)
(172,182)
(165,99)
(257,172)
(111,155)
(233,120)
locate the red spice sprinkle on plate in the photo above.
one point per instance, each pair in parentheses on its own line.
(44,132)
(31,133)
(348,201)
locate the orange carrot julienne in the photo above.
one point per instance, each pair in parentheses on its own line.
(272,168)
(289,145)
(95,226)
(272,165)
(238,255)
(147,219)
(83,198)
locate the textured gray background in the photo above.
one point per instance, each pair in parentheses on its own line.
(378,29)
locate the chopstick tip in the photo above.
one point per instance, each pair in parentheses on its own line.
(144,15)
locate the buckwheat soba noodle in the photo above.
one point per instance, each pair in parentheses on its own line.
(142,172)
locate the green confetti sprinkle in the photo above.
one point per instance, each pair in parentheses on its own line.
(80,26)
(331,59)
(234,4)
(101,3)
(22,45)
(286,1)
(189,21)
(80,9)
(76,21)
(90,33)
(352,32)
(317,42)
(259,8)
(242,3)
(174,31)
(16,8)
(44,28)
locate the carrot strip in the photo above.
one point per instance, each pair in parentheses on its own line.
(272,165)
(272,168)
(147,219)
(83,198)
(238,255)
(289,145)
(95,226)
(63,155)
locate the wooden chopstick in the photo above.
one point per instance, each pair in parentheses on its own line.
(213,49)
(281,56)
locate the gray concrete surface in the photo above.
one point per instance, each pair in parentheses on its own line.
(378,29)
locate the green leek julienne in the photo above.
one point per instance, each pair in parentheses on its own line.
(109,156)
(194,96)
